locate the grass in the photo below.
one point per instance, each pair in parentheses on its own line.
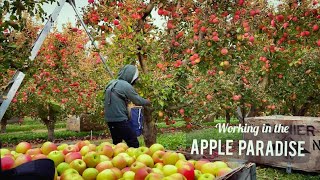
(181,123)
(30,136)
(31,127)
(271,173)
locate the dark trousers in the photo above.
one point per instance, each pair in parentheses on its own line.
(122,131)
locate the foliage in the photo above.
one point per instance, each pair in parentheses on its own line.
(214,56)
(17,34)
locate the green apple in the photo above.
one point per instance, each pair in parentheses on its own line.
(197,174)
(69,174)
(206,176)
(170,158)
(169,169)
(122,145)
(84,150)
(4,152)
(131,151)
(62,167)
(181,156)
(128,175)
(62,146)
(156,170)
(137,165)
(23,147)
(156,147)
(79,165)
(117,172)
(154,176)
(159,166)
(90,174)
(119,162)
(176,176)
(145,159)
(104,158)
(106,174)
(223,171)
(92,159)
(218,165)
(142,150)
(56,156)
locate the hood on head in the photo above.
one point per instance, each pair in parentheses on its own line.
(128,73)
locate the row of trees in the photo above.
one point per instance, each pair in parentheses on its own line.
(212,58)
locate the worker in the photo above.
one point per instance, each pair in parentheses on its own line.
(118,93)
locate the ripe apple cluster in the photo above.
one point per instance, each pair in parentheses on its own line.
(88,161)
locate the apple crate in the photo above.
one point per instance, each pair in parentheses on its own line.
(84,123)
(241,169)
(300,129)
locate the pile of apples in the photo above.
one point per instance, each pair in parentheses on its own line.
(106,161)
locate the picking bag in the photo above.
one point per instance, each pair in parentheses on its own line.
(136,119)
(41,169)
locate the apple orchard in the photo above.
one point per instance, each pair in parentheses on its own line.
(210,58)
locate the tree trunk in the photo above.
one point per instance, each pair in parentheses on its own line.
(228,116)
(149,127)
(3,125)
(50,127)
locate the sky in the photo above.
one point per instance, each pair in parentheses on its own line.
(67,13)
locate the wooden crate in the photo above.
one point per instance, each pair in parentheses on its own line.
(305,129)
(84,123)
(241,169)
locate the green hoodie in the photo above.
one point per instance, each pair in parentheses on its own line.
(119,92)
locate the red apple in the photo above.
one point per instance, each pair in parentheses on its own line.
(158,156)
(119,162)
(104,165)
(22,159)
(224,51)
(106,150)
(72,156)
(47,147)
(198,165)
(187,170)
(34,151)
(223,171)
(70,148)
(7,163)
(39,156)
(142,173)
(117,172)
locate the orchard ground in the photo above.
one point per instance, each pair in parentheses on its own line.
(34,132)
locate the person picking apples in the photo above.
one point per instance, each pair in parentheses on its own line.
(118,93)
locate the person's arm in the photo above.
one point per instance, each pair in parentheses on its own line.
(135,98)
